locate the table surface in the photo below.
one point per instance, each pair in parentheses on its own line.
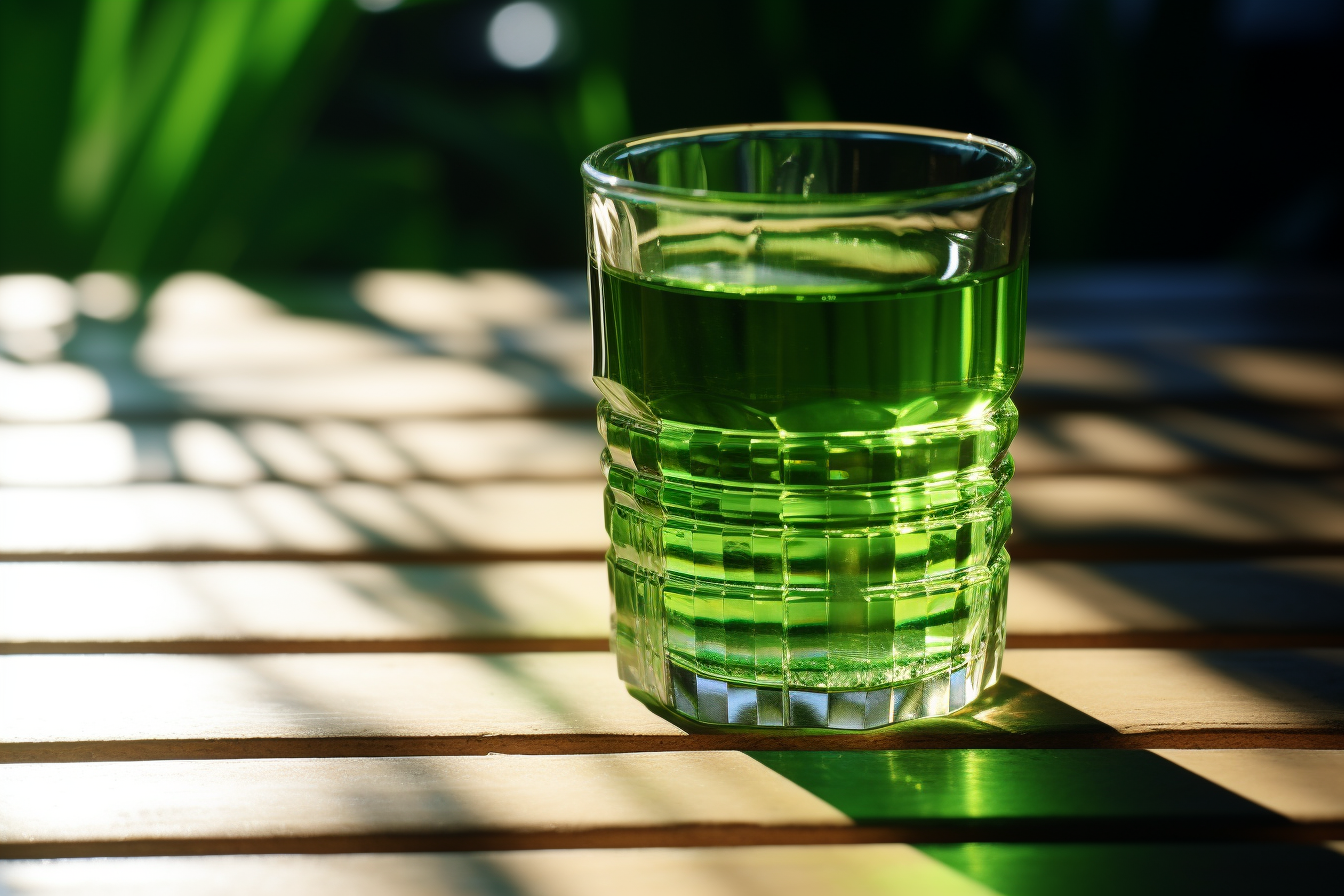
(301,592)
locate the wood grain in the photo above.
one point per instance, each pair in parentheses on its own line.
(303,798)
(1167,442)
(301,367)
(1267,603)
(300,606)
(1299,784)
(1173,441)
(1058,369)
(315,453)
(319,439)
(674,798)
(1056,517)
(258,607)
(869,870)
(976,869)
(106,707)
(1136,518)
(280,519)
(1144,691)
(210,343)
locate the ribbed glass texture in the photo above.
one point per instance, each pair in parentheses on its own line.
(805,338)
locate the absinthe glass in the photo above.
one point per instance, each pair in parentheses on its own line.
(805,338)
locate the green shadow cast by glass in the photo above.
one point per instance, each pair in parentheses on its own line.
(805,337)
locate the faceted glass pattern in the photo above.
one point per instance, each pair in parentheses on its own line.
(761,603)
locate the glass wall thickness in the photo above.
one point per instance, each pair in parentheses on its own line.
(805,337)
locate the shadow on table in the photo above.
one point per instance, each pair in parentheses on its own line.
(1288,594)
(1148,825)
(1153,869)
(1301,596)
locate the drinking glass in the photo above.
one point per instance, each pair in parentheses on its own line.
(805,337)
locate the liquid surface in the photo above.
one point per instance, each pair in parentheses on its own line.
(806,487)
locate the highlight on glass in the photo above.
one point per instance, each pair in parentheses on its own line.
(805,337)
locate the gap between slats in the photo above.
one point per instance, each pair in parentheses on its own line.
(258,608)
(670,799)
(1129,830)
(598,744)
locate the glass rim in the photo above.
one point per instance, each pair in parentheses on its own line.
(1019,170)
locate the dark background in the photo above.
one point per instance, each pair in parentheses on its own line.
(315,136)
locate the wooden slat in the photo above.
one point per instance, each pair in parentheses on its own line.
(1267,603)
(976,869)
(302,368)
(1057,517)
(1298,784)
(1174,441)
(1058,369)
(279,519)
(270,607)
(208,344)
(113,452)
(200,322)
(215,345)
(1003,791)
(1280,374)
(162,707)
(868,870)
(1139,692)
(296,705)
(495,796)
(371,389)
(1134,518)
(657,799)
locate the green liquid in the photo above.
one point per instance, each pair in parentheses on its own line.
(806,488)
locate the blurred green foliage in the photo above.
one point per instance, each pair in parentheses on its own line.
(278,135)
(144,135)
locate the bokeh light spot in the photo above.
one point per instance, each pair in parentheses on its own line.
(523,35)
(106,296)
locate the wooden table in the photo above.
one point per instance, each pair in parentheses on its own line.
(302,593)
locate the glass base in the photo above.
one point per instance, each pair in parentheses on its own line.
(715,702)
